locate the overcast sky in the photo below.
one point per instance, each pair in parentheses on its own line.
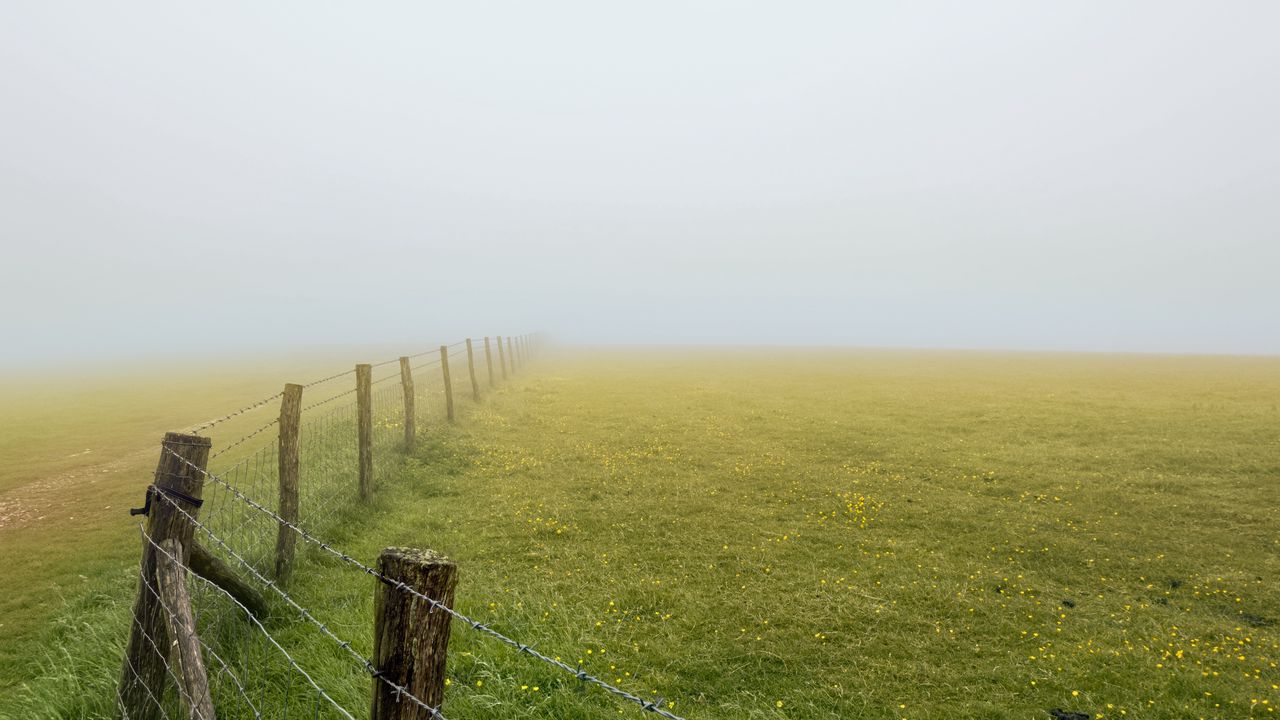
(176,177)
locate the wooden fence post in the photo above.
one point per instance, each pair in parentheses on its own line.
(364,414)
(471,368)
(448,383)
(171,584)
(511,354)
(410,637)
(410,417)
(488,359)
(502,358)
(179,478)
(290,424)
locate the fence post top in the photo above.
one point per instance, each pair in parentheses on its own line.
(177,438)
(415,556)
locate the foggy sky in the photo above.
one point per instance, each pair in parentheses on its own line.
(185,178)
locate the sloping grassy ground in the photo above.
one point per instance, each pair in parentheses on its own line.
(77,450)
(822,534)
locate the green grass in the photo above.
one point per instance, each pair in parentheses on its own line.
(813,534)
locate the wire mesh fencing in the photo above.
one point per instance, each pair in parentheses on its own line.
(237,530)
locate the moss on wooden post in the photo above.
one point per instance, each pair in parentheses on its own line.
(179,483)
(410,637)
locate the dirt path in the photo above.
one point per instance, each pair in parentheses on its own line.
(62,496)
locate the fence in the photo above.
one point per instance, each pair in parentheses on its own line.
(222,538)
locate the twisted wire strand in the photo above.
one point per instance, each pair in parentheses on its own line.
(651,706)
(229,672)
(400,690)
(241,411)
(328,400)
(335,376)
(129,664)
(162,654)
(384,379)
(313,383)
(246,438)
(255,620)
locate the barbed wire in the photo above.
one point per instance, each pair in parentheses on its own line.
(651,706)
(335,376)
(384,379)
(162,654)
(239,412)
(227,670)
(250,615)
(327,400)
(400,690)
(244,439)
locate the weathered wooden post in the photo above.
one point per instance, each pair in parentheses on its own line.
(171,586)
(179,479)
(410,636)
(211,568)
(471,368)
(448,383)
(511,355)
(488,359)
(290,424)
(502,358)
(364,415)
(410,418)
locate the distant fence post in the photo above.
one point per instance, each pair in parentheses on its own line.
(180,480)
(171,586)
(290,423)
(364,413)
(410,637)
(448,383)
(471,368)
(511,355)
(488,359)
(502,358)
(410,417)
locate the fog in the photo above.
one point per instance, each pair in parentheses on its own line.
(182,179)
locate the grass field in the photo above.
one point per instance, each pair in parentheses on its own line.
(778,534)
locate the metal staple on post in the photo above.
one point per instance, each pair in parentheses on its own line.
(179,478)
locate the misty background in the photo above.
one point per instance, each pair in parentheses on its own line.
(179,178)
